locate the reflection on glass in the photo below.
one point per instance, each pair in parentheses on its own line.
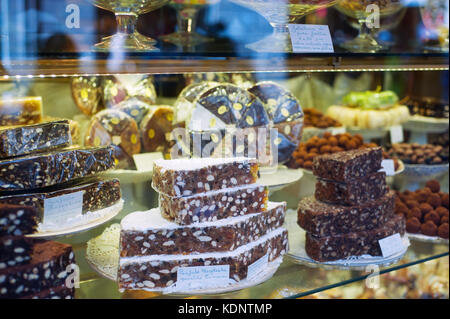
(127,12)
(187,11)
(388,22)
(369,17)
(280,13)
(435,18)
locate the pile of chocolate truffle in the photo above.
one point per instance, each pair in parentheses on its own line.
(425,210)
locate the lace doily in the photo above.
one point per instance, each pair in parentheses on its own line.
(102,252)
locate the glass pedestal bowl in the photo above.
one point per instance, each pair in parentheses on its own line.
(435,18)
(127,37)
(187,11)
(369,20)
(281,13)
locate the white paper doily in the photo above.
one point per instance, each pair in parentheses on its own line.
(102,255)
(84,223)
(298,254)
(427,239)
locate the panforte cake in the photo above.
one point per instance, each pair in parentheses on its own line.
(57,167)
(47,269)
(214,205)
(344,166)
(212,218)
(28,139)
(324,219)
(341,246)
(184,177)
(353,192)
(161,271)
(148,233)
(352,208)
(18,220)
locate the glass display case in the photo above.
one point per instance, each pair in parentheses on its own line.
(94,94)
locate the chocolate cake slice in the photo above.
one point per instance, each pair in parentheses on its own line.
(345,166)
(15,251)
(329,248)
(322,219)
(48,268)
(16,220)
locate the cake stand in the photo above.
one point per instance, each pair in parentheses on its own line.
(127,38)
(298,254)
(102,255)
(281,13)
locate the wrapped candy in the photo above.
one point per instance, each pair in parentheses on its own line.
(185,102)
(87,94)
(226,120)
(286,114)
(119,88)
(135,108)
(155,127)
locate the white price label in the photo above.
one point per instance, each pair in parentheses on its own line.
(338,130)
(396,134)
(391,245)
(311,38)
(144,161)
(62,208)
(200,277)
(388,167)
(258,266)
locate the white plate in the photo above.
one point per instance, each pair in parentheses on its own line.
(427,239)
(102,256)
(279,178)
(423,124)
(298,254)
(101,216)
(425,171)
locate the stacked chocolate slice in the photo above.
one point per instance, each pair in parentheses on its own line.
(45,184)
(40,168)
(352,208)
(31,268)
(213,219)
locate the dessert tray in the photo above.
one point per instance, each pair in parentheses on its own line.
(102,255)
(428,239)
(298,254)
(84,223)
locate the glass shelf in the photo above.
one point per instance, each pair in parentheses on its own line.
(40,48)
(183,64)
